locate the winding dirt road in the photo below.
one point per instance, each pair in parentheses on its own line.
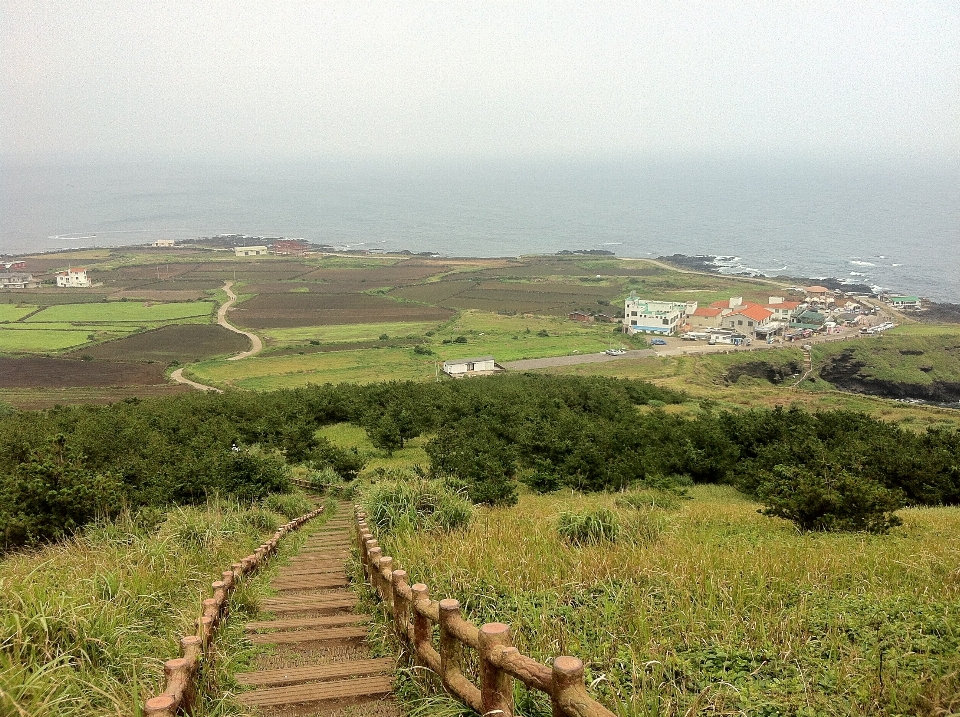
(256,345)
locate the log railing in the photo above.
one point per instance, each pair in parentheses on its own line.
(181,673)
(414,614)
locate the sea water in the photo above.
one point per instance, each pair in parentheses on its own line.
(893,225)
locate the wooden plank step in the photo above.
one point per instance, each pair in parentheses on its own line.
(318,692)
(315,563)
(327,621)
(341,544)
(307,569)
(320,635)
(292,675)
(309,581)
(300,603)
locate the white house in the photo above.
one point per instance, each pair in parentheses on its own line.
(656,317)
(466,366)
(163,242)
(73,278)
(904,302)
(250,250)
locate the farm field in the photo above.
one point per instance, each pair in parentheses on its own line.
(9,312)
(346,333)
(122,311)
(44,372)
(309,309)
(712,608)
(179,342)
(15,340)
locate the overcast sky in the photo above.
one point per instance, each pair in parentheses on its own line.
(190,78)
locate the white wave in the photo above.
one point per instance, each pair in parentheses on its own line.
(881,257)
(857,273)
(861,263)
(612,243)
(896,265)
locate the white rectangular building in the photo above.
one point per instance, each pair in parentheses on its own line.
(250,250)
(655,317)
(462,367)
(73,278)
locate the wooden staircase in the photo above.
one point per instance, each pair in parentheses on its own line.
(321,664)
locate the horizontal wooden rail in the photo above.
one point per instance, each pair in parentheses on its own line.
(181,673)
(414,616)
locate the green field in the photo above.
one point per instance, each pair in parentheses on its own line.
(31,341)
(346,333)
(123,311)
(10,312)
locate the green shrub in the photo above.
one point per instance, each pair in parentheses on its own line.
(829,499)
(648,498)
(289,505)
(259,520)
(416,504)
(588,526)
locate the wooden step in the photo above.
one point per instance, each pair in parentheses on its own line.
(293,675)
(302,603)
(318,562)
(320,635)
(361,687)
(308,582)
(307,569)
(306,622)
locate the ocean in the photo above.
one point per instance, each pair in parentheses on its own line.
(893,226)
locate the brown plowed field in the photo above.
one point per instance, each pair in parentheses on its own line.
(186,342)
(370,277)
(298,309)
(158,295)
(43,372)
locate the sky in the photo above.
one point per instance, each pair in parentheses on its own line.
(191,79)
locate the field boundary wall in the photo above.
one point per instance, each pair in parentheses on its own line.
(414,614)
(181,673)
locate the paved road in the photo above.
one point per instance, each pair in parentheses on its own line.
(256,345)
(573,360)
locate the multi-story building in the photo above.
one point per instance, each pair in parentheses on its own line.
(73,278)
(17,280)
(655,317)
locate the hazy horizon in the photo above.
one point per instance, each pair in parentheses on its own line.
(480,82)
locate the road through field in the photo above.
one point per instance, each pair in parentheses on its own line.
(256,345)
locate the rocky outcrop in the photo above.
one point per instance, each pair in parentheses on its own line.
(845,372)
(763,369)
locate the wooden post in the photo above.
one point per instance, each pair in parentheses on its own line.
(375,554)
(385,568)
(179,674)
(401,608)
(450,649)
(160,706)
(422,629)
(496,686)
(567,678)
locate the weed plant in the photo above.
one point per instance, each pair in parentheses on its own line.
(86,624)
(727,612)
(410,503)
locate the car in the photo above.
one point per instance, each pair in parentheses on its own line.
(615,352)
(658,342)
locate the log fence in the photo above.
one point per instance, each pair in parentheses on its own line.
(181,673)
(414,615)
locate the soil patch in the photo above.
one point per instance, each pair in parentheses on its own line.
(186,342)
(301,309)
(44,372)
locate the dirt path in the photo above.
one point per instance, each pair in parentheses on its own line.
(180,378)
(320,663)
(256,345)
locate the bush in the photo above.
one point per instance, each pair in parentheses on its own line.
(289,505)
(328,482)
(422,350)
(416,504)
(588,526)
(829,499)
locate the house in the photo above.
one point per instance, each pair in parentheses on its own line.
(12,265)
(818,294)
(17,280)
(747,318)
(250,250)
(904,302)
(657,317)
(705,317)
(782,310)
(290,247)
(164,242)
(579,316)
(808,319)
(469,366)
(73,278)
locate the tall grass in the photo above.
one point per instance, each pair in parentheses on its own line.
(86,624)
(726,612)
(410,503)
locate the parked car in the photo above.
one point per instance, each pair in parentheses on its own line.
(615,352)
(658,342)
